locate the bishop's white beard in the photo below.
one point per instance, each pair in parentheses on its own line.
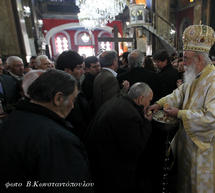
(190,73)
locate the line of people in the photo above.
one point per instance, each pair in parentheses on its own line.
(97,87)
(66,117)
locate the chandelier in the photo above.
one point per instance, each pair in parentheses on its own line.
(95,13)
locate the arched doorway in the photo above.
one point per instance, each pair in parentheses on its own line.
(79,39)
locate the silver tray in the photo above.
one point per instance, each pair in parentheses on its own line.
(161,117)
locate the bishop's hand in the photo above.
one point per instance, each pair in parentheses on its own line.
(171,111)
(154,108)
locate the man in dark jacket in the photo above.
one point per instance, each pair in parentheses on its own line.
(137,72)
(15,67)
(116,141)
(105,84)
(9,92)
(72,63)
(162,134)
(15,72)
(37,150)
(92,68)
(167,75)
(123,63)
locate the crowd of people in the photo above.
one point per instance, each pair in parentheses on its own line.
(86,124)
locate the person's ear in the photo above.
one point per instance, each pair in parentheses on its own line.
(115,62)
(58,98)
(139,100)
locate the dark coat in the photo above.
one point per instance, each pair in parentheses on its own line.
(11,92)
(167,77)
(161,135)
(80,115)
(35,145)
(105,87)
(140,74)
(122,70)
(87,86)
(115,141)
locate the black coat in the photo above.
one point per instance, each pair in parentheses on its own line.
(140,74)
(36,146)
(11,92)
(115,142)
(87,86)
(167,77)
(161,135)
(80,115)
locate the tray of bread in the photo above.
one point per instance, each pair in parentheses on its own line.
(162,117)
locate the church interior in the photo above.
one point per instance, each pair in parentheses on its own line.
(49,27)
(116,95)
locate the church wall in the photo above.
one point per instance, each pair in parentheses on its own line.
(197,18)
(96,33)
(188,14)
(118,24)
(208,5)
(9,43)
(182,3)
(184,19)
(194,10)
(71,37)
(72,33)
(162,8)
(49,24)
(211,16)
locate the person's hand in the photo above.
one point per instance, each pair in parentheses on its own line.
(126,85)
(179,82)
(153,108)
(171,111)
(148,115)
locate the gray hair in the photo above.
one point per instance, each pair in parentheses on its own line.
(11,59)
(39,58)
(45,87)
(135,59)
(107,58)
(206,58)
(139,89)
(29,78)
